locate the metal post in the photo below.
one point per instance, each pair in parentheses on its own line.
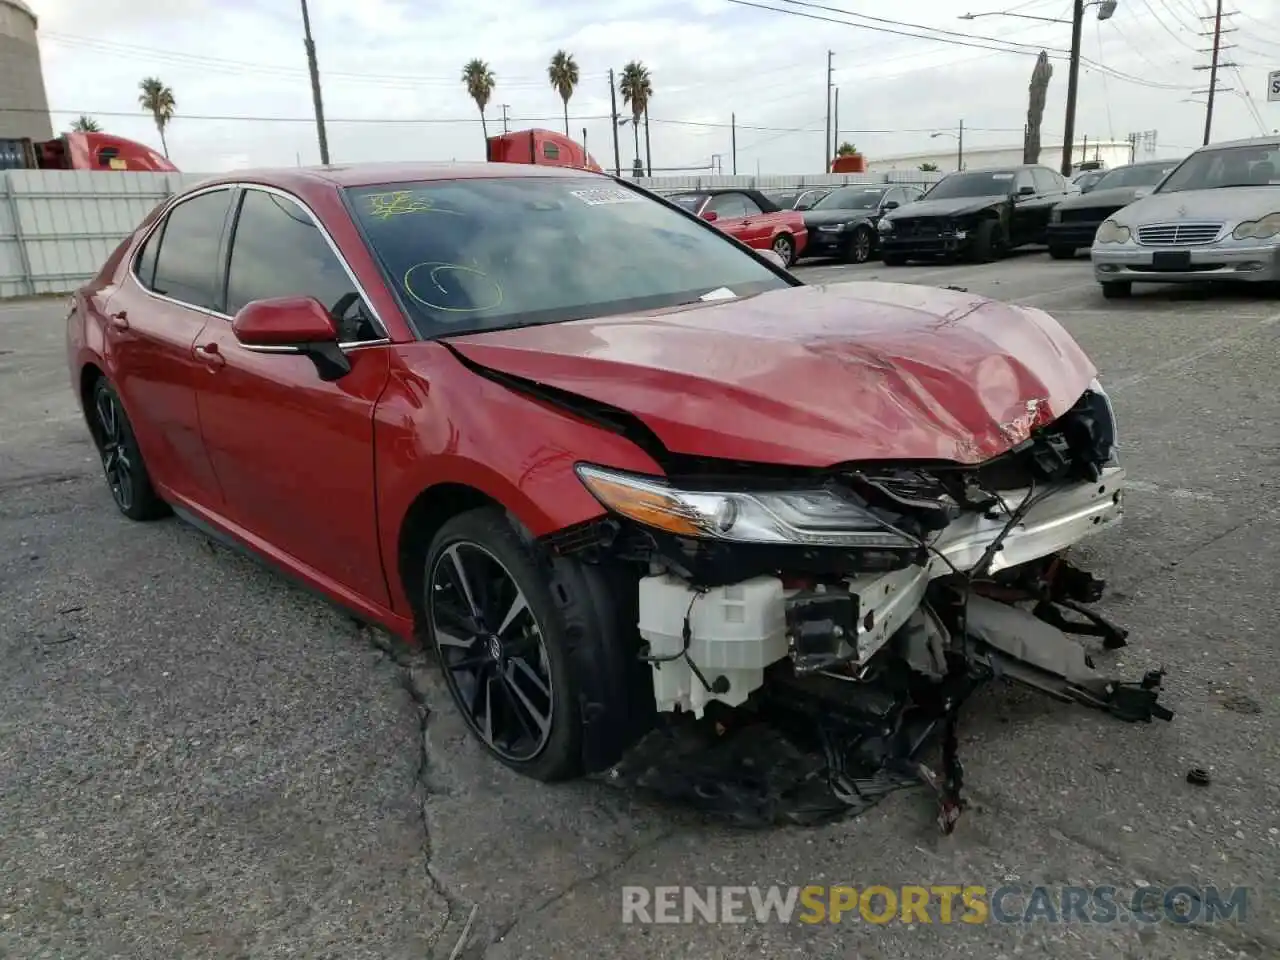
(613,118)
(314,67)
(24,255)
(1073,80)
(648,154)
(733,140)
(504,116)
(835,124)
(960,149)
(826,145)
(1213,71)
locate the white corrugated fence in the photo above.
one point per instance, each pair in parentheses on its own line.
(58,226)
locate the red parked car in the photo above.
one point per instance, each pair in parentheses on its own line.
(751,217)
(608,463)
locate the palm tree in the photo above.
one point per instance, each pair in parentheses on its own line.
(157,99)
(563,71)
(85,124)
(479,80)
(637,88)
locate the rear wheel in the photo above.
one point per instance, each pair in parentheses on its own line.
(1062,253)
(785,247)
(1117,289)
(859,247)
(122,463)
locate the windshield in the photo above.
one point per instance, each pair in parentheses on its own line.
(471,255)
(988,184)
(1142,175)
(783,198)
(1226,167)
(690,201)
(851,198)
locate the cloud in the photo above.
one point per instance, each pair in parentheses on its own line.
(401,60)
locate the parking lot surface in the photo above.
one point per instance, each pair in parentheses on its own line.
(199,760)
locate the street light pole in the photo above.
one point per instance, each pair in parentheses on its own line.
(1073,80)
(314,68)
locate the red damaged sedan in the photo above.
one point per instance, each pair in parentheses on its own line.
(751,217)
(623,475)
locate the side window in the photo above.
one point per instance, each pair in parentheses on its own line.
(894,196)
(145,264)
(278,251)
(186,267)
(1023,179)
(728,205)
(550,151)
(749,207)
(1046,180)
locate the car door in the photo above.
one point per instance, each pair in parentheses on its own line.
(731,214)
(1025,215)
(1050,190)
(153,320)
(292,452)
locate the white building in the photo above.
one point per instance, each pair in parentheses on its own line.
(1110,153)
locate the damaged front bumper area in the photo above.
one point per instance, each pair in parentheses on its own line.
(802,682)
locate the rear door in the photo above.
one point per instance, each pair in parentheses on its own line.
(294,453)
(152,323)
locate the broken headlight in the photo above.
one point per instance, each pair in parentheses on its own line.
(815,517)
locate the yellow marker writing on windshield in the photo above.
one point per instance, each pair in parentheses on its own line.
(400,202)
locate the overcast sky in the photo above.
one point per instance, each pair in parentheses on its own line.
(400,60)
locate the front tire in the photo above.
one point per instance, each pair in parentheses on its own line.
(122,463)
(1062,253)
(785,247)
(1117,290)
(859,248)
(988,242)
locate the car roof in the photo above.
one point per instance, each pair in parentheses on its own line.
(1271,141)
(372,174)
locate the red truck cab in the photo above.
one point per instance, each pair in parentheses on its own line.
(537,146)
(82,151)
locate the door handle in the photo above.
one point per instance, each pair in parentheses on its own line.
(210,354)
(119,320)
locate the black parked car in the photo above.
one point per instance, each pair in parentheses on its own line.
(977,214)
(1075,220)
(843,223)
(802,198)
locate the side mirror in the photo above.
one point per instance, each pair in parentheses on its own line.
(892,205)
(774,257)
(293,324)
(710,216)
(1026,191)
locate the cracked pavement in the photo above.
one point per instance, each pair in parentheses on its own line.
(198,759)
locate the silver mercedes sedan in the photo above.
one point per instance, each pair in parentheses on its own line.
(1215,217)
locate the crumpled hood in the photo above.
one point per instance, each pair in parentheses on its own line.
(954,207)
(1103,199)
(1228,204)
(814,375)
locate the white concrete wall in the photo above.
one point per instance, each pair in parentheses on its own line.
(1111,153)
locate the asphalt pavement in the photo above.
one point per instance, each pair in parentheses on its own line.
(199,760)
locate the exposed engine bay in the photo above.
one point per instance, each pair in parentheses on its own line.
(810,634)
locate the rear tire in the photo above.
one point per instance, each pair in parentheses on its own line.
(988,242)
(1062,253)
(122,463)
(1117,290)
(785,247)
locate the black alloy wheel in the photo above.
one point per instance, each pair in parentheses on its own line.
(492,649)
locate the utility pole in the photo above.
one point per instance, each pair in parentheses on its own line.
(1073,80)
(613,118)
(1213,67)
(826,146)
(835,125)
(733,140)
(648,154)
(314,67)
(505,107)
(960,149)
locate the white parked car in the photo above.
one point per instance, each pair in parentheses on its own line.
(1215,217)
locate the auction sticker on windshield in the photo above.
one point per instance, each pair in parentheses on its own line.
(607,195)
